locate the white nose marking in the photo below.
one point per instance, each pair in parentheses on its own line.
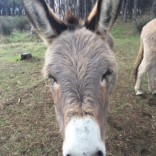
(82,138)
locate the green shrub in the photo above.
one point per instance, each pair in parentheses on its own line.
(22,23)
(141,22)
(8,24)
(6,28)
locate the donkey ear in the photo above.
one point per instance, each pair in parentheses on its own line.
(103,15)
(46,23)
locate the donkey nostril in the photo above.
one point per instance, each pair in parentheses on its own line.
(68,155)
(100,153)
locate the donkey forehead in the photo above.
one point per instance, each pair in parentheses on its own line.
(78,50)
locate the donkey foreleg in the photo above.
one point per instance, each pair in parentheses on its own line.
(151,74)
(141,71)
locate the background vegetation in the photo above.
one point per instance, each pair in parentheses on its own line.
(129,8)
(10,24)
(27,119)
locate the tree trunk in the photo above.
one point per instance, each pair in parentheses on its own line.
(51,3)
(135,8)
(125,11)
(85,8)
(122,8)
(77,9)
(153,10)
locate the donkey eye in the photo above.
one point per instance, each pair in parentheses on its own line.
(105,77)
(106,74)
(53,79)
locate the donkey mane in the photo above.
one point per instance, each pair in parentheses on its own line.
(71,21)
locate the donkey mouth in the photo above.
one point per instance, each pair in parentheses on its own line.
(82,138)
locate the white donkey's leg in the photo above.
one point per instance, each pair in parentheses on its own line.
(141,70)
(151,79)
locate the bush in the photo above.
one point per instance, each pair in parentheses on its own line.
(8,24)
(22,23)
(141,22)
(6,27)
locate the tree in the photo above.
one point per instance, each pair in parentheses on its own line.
(153,10)
(51,3)
(126,10)
(10,7)
(81,8)
(135,8)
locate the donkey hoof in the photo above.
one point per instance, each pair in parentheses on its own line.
(139,93)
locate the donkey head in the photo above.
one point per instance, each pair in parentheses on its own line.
(82,68)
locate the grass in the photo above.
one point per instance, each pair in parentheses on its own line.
(25,107)
(27,120)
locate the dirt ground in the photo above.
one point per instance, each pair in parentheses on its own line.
(28,124)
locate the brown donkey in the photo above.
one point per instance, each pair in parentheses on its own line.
(83,72)
(146,60)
